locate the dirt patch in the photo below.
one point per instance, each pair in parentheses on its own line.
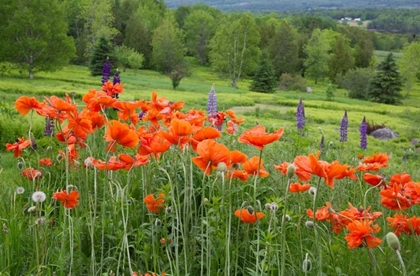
(244,109)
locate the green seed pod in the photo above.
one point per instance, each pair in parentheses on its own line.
(393,241)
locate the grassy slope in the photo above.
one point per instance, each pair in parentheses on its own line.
(273,110)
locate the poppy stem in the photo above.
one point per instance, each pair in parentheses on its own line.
(315,226)
(283,231)
(401,262)
(373,262)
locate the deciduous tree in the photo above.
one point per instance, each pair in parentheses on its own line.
(410,65)
(316,50)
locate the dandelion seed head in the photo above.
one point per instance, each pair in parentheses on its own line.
(39,196)
(20,190)
(31,209)
(309,224)
(274,207)
(287,218)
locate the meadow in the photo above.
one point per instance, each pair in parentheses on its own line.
(180,192)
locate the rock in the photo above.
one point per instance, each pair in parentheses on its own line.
(308,89)
(384,134)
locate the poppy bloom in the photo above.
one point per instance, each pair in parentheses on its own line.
(373,179)
(400,179)
(297,187)
(24,104)
(246,216)
(70,200)
(128,110)
(45,162)
(237,174)
(258,137)
(18,146)
(31,173)
(393,199)
(211,154)
(255,166)
(122,134)
(154,204)
(381,158)
(399,224)
(152,143)
(361,234)
(203,134)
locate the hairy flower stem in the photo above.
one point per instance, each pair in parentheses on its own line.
(229,227)
(373,264)
(401,262)
(257,263)
(316,239)
(283,231)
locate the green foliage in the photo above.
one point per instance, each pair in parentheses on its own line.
(168,46)
(293,82)
(386,85)
(234,48)
(357,82)
(264,79)
(284,50)
(410,64)
(103,50)
(341,59)
(329,92)
(128,58)
(316,50)
(34,35)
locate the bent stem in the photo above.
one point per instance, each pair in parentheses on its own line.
(283,231)
(401,262)
(315,228)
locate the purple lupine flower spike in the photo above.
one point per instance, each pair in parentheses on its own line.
(116,78)
(49,126)
(106,71)
(212,103)
(363,134)
(343,127)
(300,115)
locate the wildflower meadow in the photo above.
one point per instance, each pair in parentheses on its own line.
(145,187)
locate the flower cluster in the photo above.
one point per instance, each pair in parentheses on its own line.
(300,116)
(363,134)
(343,128)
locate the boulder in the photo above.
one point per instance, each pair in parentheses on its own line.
(308,89)
(384,134)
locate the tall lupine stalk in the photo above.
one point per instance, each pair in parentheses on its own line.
(116,78)
(300,116)
(343,128)
(106,71)
(363,134)
(49,126)
(212,103)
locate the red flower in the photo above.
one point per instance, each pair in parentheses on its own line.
(373,179)
(31,173)
(45,162)
(18,146)
(393,199)
(361,234)
(255,166)
(248,217)
(258,137)
(297,187)
(154,204)
(70,200)
(210,154)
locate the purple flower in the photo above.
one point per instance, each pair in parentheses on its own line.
(116,78)
(300,115)
(212,103)
(343,127)
(49,126)
(106,71)
(363,134)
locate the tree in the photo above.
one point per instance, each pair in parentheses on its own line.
(316,63)
(34,35)
(341,59)
(168,47)
(128,58)
(234,48)
(284,51)
(357,82)
(103,50)
(199,26)
(386,85)
(410,65)
(264,79)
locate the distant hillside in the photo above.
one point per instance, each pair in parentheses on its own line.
(283,5)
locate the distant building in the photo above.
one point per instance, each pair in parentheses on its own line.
(357,19)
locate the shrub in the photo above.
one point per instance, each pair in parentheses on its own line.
(357,82)
(290,82)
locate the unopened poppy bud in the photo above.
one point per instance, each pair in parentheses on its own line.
(268,206)
(287,218)
(221,167)
(330,144)
(157,222)
(20,165)
(312,190)
(59,157)
(291,169)
(309,224)
(219,174)
(205,200)
(250,209)
(274,206)
(306,264)
(235,166)
(168,210)
(393,241)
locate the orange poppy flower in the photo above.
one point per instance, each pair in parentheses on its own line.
(152,143)
(381,158)
(210,154)
(24,104)
(154,204)
(122,134)
(31,173)
(374,179)
(254,166)
(247,216)
(361,234)
(80,124)
(412,190)
(128,110)
(303,169)
(243,176)
(400,179)
(129,161)
(393,199)
(326,170)
(177,132)
(98,100)
(414,225)
(232,128)
(112,165)
(45,162)
(368,167)
(18,146)
(237,157)
(353,213)
(97,119)
(232,115)
(69,201)
(399,224)
(350,173)
(258,137)
(297,187)
(203,134)
(110,89)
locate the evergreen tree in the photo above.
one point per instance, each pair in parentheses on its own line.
(386,85)
(264,79)
(103,50)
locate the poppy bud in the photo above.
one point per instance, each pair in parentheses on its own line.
(221,167)
(268,206)
(309,224)
(393,241)
(250,210)
(287,218)
(312,191)
(5,229)
(291,169)
(168,210)
(20,165)
(59,157)
(205,200)
(306,264)
(158,222)
(274,206)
